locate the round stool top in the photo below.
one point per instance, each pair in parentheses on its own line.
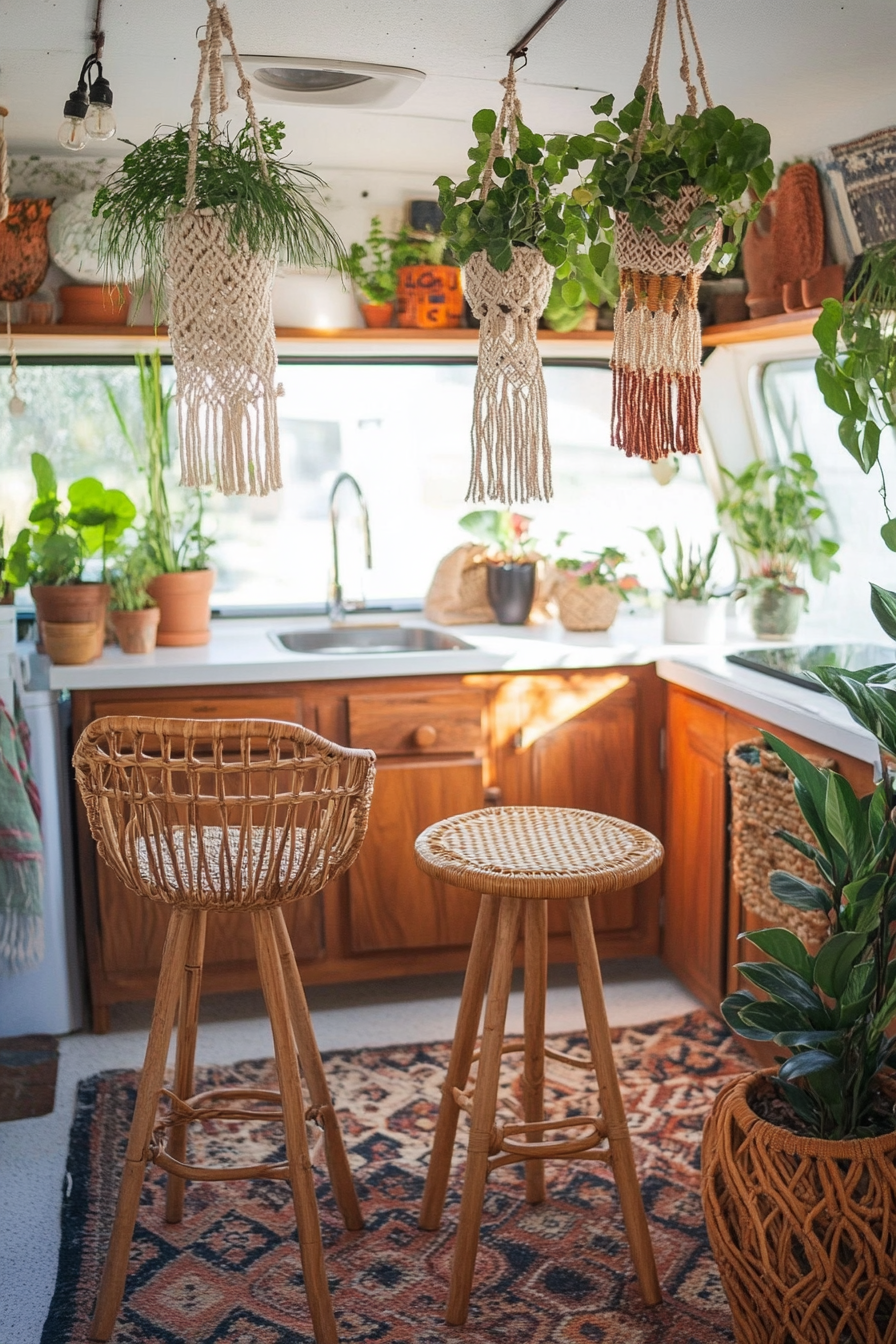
(539,852)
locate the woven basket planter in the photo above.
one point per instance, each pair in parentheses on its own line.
(588,606)
(762,802)
(803,1230)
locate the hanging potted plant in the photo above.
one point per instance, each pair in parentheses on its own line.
(133,614)
(774,509)
(672,187)
(693,613)
(511,564)
(859,384)
(799,1161)
(589,590)
(177,549)
(211,213)
(511,225)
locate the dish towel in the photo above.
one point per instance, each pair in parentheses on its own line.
(21,850)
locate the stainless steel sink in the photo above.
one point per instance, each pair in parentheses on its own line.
(368,639)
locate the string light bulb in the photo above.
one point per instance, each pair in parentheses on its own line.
(72,134)
(87,114)
(100,121)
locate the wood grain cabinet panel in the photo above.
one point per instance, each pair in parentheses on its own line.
(393,904)
(436,723)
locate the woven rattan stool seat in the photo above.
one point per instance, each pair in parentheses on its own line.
(227,870)
(545,853)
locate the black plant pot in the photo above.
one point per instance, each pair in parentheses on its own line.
(511,592)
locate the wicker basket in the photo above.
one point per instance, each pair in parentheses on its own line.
(588,606)
(762,802)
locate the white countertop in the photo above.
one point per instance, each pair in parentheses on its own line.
(243,651)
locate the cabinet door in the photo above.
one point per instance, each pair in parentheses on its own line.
(393,904)
(696,847)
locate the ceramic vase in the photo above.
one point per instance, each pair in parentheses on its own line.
(511,591)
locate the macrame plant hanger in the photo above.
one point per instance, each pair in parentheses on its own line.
(511,449)
(16,404)
(656,345)
(220,318)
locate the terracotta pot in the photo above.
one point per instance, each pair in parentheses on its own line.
(377,314)
(430,296)
(826,284)
(72,603)
(183,602)
(94,305)
(70,642)
(802,1229)
(792,296)
(24,251)
(136,630)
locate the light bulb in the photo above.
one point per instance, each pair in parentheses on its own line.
(100,122)
(72,133)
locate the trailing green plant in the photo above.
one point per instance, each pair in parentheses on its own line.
(773,509)
(506,534)
(273,213)
(856,370)
(133,569)
(831,1010)
(689,580)
(65,534)
(601,568)
(172,543)
(7,584)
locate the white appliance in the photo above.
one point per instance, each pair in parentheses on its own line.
(50,998)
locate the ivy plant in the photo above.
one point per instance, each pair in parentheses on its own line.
(856,370)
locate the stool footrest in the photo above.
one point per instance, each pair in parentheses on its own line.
(505,1137)
(518,1047)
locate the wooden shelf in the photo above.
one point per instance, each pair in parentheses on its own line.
(762,328)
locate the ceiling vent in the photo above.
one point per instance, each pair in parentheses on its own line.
(324,83)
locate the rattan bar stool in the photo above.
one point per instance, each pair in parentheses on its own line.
(211,816)
(520,858)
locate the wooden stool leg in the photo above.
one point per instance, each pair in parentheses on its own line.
(462,1048)
(300,1173)
(485,1100)
(115,1270)
(591,987)
(312,1067)
(535,934)
(187,1028)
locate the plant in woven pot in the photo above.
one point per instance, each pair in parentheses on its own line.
(181,579)
(511,564)
(133,614)
(211,212)
(511,223)
(773,509)
(799,1162)
(589,591)
(856,370)
(672,188)
(693,612)
(52,553)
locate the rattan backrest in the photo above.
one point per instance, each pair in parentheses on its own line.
(221,813)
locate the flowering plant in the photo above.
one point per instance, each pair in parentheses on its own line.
(602,568)
(506,534)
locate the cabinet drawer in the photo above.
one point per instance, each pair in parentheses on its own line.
(421,723)
(286,708)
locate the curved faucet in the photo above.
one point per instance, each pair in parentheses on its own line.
(336,609)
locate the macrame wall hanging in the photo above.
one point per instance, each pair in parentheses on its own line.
(220,318)
(4,166)
(511,449)
(656,345)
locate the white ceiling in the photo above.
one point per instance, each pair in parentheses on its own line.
(815,71)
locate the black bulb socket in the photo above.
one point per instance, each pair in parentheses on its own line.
(77,104)
(100,93)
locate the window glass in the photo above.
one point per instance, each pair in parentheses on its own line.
(403,430)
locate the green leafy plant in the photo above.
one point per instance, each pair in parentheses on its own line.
(132,571)
(506,535)
(171,543)
(65,534)
(689,580)
(7,583)
(859,384)
(374,264)
(273,214)
(831,1010)
(773,509)
(602,568)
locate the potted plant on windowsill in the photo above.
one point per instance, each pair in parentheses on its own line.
(178,554)
(692,613)
(589,591)
(773,510)
(51,556)
(799,1162)
(512,565)
(133,614)
(371,267)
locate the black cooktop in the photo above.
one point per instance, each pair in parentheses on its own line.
(792,663)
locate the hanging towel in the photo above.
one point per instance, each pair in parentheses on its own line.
(21,850)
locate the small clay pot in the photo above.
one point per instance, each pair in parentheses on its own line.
(511,592)
(72,603)
(94,305)
(183,602)
(825,284)
(70,643)
(24,250)
(377,314)
(136,630)
(792,296)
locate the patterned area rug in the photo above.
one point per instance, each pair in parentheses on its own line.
(229,1273)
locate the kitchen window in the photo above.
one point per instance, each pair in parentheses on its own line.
(402,428)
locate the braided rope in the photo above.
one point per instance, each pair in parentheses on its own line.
(4,168)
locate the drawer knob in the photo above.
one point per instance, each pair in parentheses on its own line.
(425,736)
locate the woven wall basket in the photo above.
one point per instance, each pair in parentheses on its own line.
(803,1230)
(585,606)
(762,802)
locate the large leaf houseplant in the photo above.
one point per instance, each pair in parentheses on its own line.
(799,1164)
(211,213)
